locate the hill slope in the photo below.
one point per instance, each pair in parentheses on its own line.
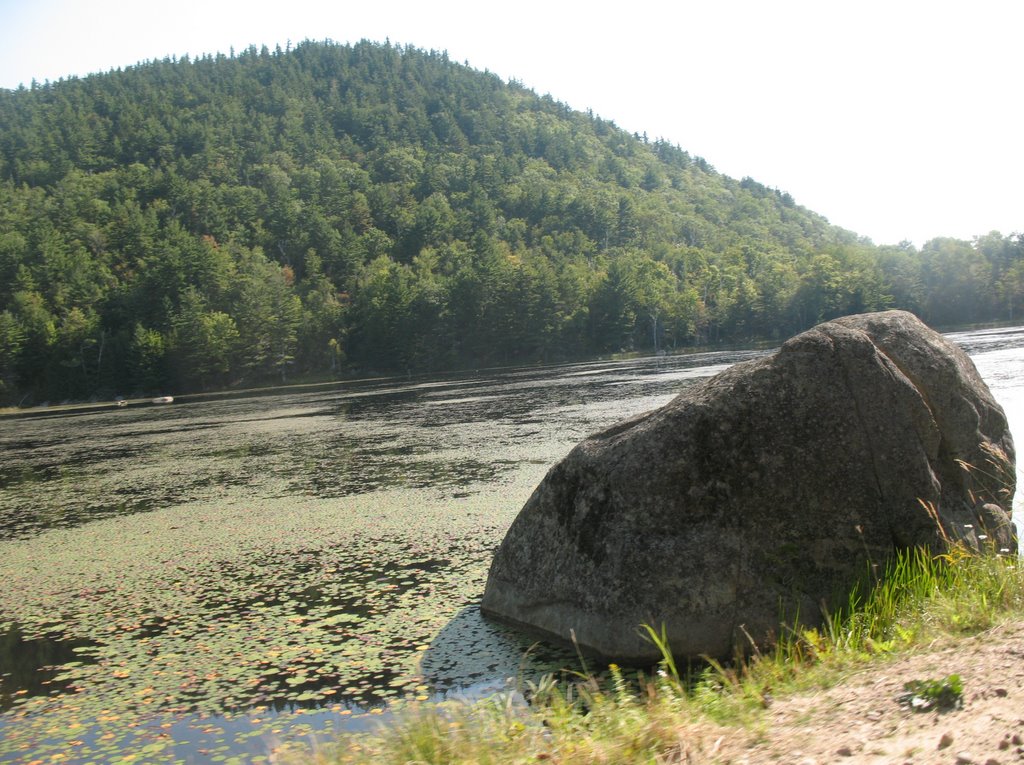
(201,223)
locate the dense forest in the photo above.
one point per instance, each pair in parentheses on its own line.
(235,220)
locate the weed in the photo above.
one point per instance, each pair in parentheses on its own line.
(943,695)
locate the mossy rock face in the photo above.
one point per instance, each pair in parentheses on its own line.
(758,495)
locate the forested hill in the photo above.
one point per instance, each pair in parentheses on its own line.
(191,224)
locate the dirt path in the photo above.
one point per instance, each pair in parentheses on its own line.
(863,721)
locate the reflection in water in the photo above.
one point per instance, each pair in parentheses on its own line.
(38,666)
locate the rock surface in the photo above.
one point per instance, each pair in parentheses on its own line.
(761,494)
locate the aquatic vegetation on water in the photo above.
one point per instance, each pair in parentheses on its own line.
(299,563)
(278,613)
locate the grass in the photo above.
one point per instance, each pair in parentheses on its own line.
(612,718)
(945,694)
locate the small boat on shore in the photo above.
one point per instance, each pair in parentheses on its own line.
(164,400)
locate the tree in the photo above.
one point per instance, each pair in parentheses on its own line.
(203,342)
(268,313)
(40,334)
(322,330)
(381,310)
(80,344)
(147,352)
(655,288)
(12,339)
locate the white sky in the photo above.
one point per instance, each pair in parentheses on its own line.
(896,119)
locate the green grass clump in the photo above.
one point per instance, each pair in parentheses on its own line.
(652,718)
(925,695)
(582,721)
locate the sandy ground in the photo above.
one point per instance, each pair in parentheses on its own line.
(864,721)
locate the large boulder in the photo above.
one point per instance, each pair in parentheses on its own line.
(760,495)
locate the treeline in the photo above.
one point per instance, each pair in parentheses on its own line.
(231,220)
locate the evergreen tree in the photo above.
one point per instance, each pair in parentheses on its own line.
(239,220)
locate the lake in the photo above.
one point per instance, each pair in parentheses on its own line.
(207,580)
